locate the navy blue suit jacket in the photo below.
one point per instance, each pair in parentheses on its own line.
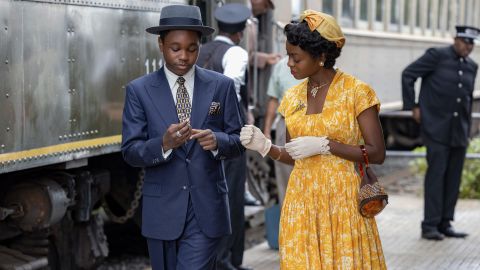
(149,110)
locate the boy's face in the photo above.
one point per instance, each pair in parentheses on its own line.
(180,50)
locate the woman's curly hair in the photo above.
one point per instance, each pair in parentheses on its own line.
(298,34)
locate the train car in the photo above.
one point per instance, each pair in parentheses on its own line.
(64,66)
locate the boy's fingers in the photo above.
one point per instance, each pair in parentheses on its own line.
(199,133)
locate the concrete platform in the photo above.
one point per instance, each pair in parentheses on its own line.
(399,227)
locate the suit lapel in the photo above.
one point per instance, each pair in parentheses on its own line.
(202,98)
(161,96)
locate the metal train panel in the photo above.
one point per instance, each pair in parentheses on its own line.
(45,82)
(64,67)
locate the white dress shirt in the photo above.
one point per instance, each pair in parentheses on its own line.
(234,63)
(189,82)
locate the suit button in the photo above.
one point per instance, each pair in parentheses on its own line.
(460,72)
(459,100)
(455,114)
(187,160)
(184,187)
(460,85)
(461,59)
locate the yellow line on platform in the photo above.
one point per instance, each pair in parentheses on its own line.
(61,148)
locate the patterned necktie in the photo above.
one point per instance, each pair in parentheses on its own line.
(183,101)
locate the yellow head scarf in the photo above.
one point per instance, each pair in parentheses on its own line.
(325,24)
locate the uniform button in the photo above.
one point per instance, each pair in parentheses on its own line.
(184,187)
(187,160)
(461,59)
(460,85)
(459,100)
(455,114)
(460,72)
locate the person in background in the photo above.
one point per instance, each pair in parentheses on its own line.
(261,59)
(223,55)
(180,123)
(258,60)
(443,111)
(330,117)
(280,81)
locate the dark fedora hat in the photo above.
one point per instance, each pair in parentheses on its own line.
(180,17)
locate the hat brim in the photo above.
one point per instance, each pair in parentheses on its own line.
(465,35)
(204,30)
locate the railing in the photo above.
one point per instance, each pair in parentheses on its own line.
(435,18)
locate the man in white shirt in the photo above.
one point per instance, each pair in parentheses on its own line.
(225,56)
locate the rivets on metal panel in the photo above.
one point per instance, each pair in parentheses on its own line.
(96,131)
(68,60)
(7,95)
(8,129)
(2,146)
(138,59)
(60,137)
(6,62)
(6,28)
(122,32)
(123,59)
(73,59)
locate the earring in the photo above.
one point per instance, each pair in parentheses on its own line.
(321,63)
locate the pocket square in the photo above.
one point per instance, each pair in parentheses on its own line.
(214,108)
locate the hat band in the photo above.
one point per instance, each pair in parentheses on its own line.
(180,21)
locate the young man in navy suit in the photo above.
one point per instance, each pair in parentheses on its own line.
(180,123)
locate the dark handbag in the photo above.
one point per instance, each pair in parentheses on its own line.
(372,197)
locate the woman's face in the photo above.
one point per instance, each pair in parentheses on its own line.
(301,63)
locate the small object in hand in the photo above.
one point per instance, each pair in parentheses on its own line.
(178,134)
(371,196)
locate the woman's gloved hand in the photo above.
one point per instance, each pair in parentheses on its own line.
(252,138)
(303,147)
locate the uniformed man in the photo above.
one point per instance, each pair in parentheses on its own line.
(225,56)
(444,112)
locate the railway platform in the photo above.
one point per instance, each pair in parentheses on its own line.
(399,228)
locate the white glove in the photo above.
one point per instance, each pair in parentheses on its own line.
(303,147)
(252,138)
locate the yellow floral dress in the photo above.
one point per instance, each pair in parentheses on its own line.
(320,226)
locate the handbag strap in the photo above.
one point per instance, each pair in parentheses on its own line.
(365,160)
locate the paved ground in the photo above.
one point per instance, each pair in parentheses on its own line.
(399,227)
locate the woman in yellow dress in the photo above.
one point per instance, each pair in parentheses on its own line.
(327,116)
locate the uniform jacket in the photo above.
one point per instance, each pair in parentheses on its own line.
(446,94)
(188,170)
(211,57)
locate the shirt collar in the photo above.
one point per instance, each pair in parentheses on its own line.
(224,39)
(172,77)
